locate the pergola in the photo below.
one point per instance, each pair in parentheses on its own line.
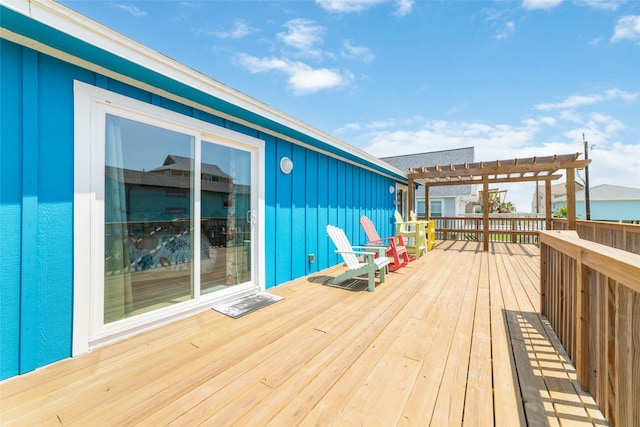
(503,171)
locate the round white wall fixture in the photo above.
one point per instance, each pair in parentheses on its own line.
(286,165)
(392,189)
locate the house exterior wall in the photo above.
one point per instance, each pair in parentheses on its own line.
(37,194)
(605,210)
(610,210)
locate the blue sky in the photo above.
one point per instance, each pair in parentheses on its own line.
(510,78)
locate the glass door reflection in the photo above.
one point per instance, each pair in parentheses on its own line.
(148,214)
(226,217)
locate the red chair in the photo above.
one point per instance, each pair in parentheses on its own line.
(396,251)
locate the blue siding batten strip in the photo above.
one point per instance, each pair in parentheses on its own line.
(55,208)
(270,229)
(30,289)
(332,211)
(312,208)
(10,206)
(298,217)
(322,258)
(283,214)
(349,200)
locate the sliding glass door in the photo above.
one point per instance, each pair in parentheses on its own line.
(175,203)
(168,216)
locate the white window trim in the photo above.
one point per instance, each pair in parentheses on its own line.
(90,105)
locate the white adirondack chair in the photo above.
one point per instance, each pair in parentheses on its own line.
(374,258)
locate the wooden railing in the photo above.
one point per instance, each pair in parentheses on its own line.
(514,229)
(614,234)
(590,293)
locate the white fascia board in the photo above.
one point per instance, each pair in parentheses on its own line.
(76,25)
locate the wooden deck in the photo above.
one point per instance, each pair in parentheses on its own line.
(454,338)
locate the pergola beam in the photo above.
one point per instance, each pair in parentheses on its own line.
(500,180)
(502,167)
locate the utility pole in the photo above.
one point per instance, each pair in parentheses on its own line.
(587,201)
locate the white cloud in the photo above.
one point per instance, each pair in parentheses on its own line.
(403,7)
(612,125)
(540,4)
(595,42)
(575,101)
(302,34)
(133,10)
(352,51)
(600,4)
(239,30)
(491,142)
(616,164)
(571,116)
(508,29)
(347,6)
(349,127)
(548,120)
(627,28)
(303,79)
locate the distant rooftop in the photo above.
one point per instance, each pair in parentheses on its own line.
(436,158)
(609,192)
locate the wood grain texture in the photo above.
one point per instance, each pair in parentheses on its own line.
(453,338)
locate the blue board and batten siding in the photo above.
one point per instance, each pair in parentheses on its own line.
(37,193)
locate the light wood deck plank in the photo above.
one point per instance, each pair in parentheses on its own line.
(507,399)
(478,407)
(450,403)
(453,338)
(421,403)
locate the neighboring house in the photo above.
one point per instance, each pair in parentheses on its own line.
(557,191)
(607,203)
(443,200)
(136,190)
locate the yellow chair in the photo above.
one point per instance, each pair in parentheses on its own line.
(414,232)
(429,229)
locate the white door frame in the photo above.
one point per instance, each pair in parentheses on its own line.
(402,193)
(90,105)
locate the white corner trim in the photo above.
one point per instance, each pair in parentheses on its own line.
(82,206)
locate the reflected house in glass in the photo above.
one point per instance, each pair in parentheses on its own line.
(148,192)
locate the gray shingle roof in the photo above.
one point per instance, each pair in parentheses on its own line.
(436,158)
(609,192)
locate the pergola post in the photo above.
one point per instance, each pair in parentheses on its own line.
(547,204)
(571,198)
(426,202)
(485,212)
(411,196)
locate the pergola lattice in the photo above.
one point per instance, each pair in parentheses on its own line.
(503,171)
